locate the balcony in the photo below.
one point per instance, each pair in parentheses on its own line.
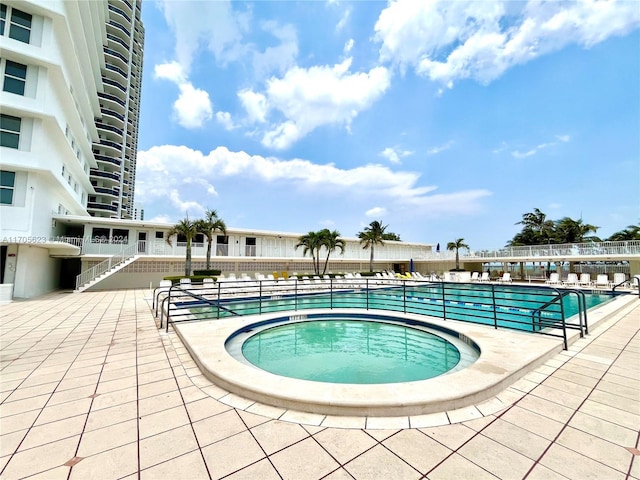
(113,192)
(110,128)
(108,175)
(111,160)
(102,207)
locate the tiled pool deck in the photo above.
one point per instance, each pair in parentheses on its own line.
(90,389)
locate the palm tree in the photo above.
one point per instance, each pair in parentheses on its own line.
(539,227)
(632,232)
(371,236)
(569,230)
(311,242)
(186,228)
(331,241)
(457,245)
(208,226)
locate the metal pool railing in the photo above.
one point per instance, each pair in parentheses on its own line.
(543,310)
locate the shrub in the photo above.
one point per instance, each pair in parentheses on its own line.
(175,280)
(207,273)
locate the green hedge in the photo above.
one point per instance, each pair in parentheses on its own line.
(194,278)
(208,273)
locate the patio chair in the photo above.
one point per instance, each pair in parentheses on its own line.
(585,280)
(475,276)
(619,279)
(506,278)
(485,277)
(602,281)
(554,279)
(571,281)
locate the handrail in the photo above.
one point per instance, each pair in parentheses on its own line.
(489,304)
(92,273)
(188,292)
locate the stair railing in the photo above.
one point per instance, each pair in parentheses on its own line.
(94,272)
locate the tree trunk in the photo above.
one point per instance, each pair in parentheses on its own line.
(457,260)
(371,260)
(187,263)
(208,253)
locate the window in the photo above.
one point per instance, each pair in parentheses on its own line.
(159,235)
(20,27)
(250,247)
(119,236)
(9,131)
(15,77)
(3,18)
(100,235)
(7,184)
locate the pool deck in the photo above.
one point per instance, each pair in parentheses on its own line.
(90,389)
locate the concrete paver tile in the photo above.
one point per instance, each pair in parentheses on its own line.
(576,466)
(496,458)
(51,432)
(162,421)
(293,462)
(187,467)
(344,445)
(100,440)
(205,407)
(218,427)
(232,454)
(613,455)
(456,467)
(111,416)
(419,450)
(262,470)
(452,436)
(115,463)
(40,459)
(276,435)
(517,438)
(167,445)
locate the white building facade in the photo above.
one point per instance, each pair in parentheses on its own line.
(54,77)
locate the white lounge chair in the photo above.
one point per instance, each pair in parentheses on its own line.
(619,279)
(485,277)
(585,280)
(506,278)
(475,276)
(571,281)
(602,281)
(554,279)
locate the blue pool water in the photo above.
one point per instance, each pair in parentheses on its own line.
(340,350)
(515,307)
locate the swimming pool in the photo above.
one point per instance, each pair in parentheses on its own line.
(353,349)
(531,309)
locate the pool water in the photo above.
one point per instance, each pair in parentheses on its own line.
(514,306)
(351,351)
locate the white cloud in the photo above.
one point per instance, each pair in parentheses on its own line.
(189,207)
(255,104)
(394,154)
(348,46)
(447,41)
(212,25)
(376,212)
(537,148)
(278,58)
(168,169)
(343,20)
(310,98)
(171,71)
(193,107)
(528,153)
(224,119)
(440,148)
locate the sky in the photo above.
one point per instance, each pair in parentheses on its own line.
(440,119)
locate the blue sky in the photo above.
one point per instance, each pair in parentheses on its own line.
(442,120)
